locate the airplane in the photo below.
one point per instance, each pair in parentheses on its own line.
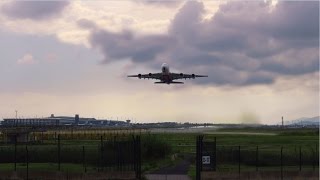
(166,77)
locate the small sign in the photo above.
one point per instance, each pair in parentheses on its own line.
(205,159)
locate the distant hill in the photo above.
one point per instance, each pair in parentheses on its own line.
(304,121)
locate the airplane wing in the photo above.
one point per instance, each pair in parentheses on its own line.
(147,76)
(185,76)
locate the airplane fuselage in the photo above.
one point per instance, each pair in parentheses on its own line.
(166,78)
(165,69)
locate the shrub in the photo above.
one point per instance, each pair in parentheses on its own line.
(153,147)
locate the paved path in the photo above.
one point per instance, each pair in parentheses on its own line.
(177,172)
(180,168)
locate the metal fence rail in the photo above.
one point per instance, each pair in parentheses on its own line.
(258,158)
(117,154)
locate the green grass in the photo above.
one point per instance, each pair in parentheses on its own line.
(281,131)
(192,172)
(269,149)
(282,137)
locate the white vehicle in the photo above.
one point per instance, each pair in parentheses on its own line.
(166,77)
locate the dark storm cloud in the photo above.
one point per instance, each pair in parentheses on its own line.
(281,68)
(35,10)
(293,62)
(295,19)
(128,45)
(244,43)
(226,75)
(287,24)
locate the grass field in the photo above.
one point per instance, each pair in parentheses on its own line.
(165,146)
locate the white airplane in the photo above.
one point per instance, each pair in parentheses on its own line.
(166,77)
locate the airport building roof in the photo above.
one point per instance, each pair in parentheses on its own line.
(63,120)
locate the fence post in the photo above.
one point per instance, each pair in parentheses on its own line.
(59,160)
(27,158)
(101,153)
(239,160)
(281,163)
(201,149)
(140,160)
(198,158)
(215,154)
(317,155)
(134,154)
(257,158)
(84,159)
(41,136)
(15,153)
(313,159)
(118,155)
(136,150)
(300,158)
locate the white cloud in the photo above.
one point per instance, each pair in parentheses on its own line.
(114,17)
(26,59)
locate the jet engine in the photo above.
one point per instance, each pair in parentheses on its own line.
(181,74)
(193,76)
(139,76)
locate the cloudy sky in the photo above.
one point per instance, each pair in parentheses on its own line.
(68,57)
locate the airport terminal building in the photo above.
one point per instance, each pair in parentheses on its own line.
(65,121)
